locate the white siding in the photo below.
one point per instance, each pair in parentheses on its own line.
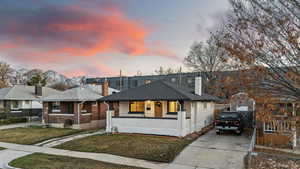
(203,115)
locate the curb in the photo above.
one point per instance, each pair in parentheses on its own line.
(7,166)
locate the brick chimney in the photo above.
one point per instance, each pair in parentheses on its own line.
(38,90)
(105,88)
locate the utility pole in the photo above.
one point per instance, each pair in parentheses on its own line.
(180,78)
(120,79)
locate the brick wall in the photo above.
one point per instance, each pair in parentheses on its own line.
(95,112)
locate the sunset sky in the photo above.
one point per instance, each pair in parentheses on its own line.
(100,37)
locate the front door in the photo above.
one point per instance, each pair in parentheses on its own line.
(158,109)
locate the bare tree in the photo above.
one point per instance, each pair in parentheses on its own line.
(166,71)
(264,34)
(209,59)
(60,86)
(5,73)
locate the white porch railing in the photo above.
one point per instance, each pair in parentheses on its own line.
(283,126)
(179,126)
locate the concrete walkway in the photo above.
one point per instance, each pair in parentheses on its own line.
(57,141)
(11,126)
(212,151)
(7,156)
(94,156)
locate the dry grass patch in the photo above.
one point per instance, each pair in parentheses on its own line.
(33,135)
(276,152)
(44,161)
(270,161)
(147,147)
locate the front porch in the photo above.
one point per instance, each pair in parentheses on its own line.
(152,109)
(172,118)
(77,115)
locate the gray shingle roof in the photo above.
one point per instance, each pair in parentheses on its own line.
(22,92)
(98,89)
(75,94)
(158,90)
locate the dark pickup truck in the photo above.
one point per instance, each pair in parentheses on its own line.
(229,121)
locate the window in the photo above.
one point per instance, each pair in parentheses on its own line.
(173,107)
(137,107)
(27,102)
(56,107)
(15,105)
(70,108)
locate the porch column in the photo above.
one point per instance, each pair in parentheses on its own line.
(109,121)
(294,113)
(193,119)
(181,123)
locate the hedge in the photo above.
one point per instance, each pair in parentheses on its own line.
(13,120)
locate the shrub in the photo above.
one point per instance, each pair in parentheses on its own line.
(68,123)
(13,120)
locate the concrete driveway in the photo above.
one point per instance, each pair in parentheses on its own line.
(213,151)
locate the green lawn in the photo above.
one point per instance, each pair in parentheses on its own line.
(44,161)
(147,147)
(1,148)
(32,135)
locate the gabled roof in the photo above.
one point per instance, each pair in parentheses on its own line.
(75,94)
(158,90)
(84,93)
(23,92)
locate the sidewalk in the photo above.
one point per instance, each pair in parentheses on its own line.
(57,141)
(7,156)
(94,156)
(11,126)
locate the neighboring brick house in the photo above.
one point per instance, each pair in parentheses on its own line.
(77,108)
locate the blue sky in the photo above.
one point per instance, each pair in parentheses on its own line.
(98,38)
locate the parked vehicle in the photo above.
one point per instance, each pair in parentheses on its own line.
(229,121)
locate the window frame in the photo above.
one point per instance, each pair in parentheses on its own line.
(54,107)
(168,108)
(136,112)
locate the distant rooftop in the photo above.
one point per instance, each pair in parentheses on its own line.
(23,92)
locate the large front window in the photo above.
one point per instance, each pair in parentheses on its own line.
(173,107)
(137,107)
